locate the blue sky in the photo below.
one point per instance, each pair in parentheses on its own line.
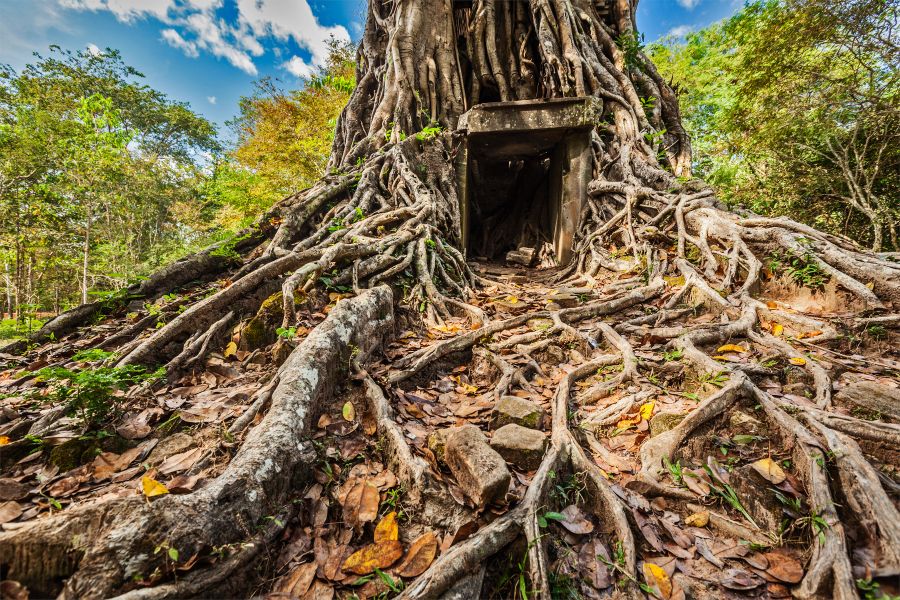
(209,52)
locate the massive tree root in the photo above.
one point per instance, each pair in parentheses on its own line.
(678,307)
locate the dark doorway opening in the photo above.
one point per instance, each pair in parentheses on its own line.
(522,176)
(510,204)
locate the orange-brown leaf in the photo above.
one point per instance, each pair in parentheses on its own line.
(420,556)
(368,503)
(387,528)
(373,556)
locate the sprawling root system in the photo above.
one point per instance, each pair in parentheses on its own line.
(715,423)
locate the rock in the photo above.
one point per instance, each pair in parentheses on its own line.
(437,441)
(166,447)
(480,472)
(744,424)
(664,421)
(512,409)
(520,446)
(522,256)
(793,375)
(564,300)
(875,397)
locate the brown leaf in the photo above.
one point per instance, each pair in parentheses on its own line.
(368,503)
(319,591)
(387,528)
(373,556)
(10,489)
(419,557)
(576,521)
(784,567)
(298,581)
(181,461)
(596,570)
(183,484)
(738,579)
(13,590)
(10,511)
(697,519)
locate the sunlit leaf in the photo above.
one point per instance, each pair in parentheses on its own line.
(373,556)
(387,528)
(769,469)
(152,487)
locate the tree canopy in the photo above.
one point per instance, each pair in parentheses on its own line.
(793,109)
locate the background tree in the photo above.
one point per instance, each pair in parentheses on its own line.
(793,109)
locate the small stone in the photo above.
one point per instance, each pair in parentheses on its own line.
(744,424)
(512,409)
(564,300)
(166,447)
(522,256)
(480,472)
(664,421)
(520,446)
(437,442)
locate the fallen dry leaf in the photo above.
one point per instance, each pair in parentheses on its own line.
(784,567)
(769,470)
(387,528)
(732,348)
(419,557)
(697,519)
(181,461)
(797,360)
(575,520)
(152,487)
(373,556)
(657,578)
(10,511)
(348,412)
(298,581)
(777,329)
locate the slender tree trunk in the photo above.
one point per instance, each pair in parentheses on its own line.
(86,248)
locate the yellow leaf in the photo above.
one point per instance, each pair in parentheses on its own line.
(512,299)
(871,285)
(230,349)
(348,412)
(373,556)
(657,578)
(647,410)
(152,487)
(797,360)
(387,528)
(699,519)
(769,469)
(777,329)
(4,440)
(732,348)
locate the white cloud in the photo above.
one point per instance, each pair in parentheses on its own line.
(679,31)
(298,67)
(94,50)
(289,18)
(125,10)
(689,4)
(211,99)
(195,26)
(174,39)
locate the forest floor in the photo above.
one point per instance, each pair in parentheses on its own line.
(739,524)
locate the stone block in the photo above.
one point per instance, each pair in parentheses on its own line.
(480,472)
(520,446)
(512,409)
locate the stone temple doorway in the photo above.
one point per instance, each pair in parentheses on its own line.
(523,174)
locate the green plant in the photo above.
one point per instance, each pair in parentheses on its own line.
(287,333)
(727,493)
(672,355)
(569,491)
(804,269)
(89,392)
(429,132)
(675,471)
(617,564)
(631,46)
(544,519)
(876,332)
(563,587)
(871,590)
(393,501)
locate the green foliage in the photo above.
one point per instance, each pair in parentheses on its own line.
(428,133)
(804,270)
(792,110)
(631,45)
(90,392)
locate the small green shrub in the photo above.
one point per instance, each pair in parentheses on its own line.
(89,393)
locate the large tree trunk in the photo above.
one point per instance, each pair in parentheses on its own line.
(667,270)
